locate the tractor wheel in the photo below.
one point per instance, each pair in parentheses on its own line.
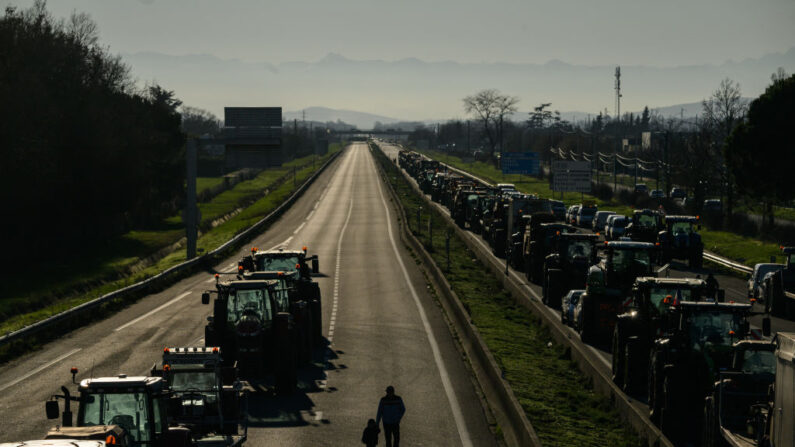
(617,345)
(709,429)
(317,322)
(670,414)
(634,371)
(654,391)
(696,261)
(587,329)
(554,285)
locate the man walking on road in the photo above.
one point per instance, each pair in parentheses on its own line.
(391,409)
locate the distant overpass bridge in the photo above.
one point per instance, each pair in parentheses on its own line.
(356,134)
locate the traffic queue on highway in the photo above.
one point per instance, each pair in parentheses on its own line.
(708,376)
(266,324)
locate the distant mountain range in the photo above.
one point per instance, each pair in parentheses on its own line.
(415,90)
(361,120)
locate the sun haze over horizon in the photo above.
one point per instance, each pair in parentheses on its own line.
(243,49)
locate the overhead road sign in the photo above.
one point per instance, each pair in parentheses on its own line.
(571,176)
(520,163)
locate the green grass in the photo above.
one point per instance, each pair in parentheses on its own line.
(205,183)
(556,397)
(745,250)
(134,256)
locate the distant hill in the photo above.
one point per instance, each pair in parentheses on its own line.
(361,120)
(417,90)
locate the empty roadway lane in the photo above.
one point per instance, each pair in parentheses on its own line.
(382,325)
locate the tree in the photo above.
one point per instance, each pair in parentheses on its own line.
(197,122)
(490,107)
(722,112)
(645,118)
(756,151)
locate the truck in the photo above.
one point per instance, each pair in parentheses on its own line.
(566,265)
(281,260)
(252,325)
(680,240)
(734,411)
(644,225)
(131,410)
(778,287)
(206,396)
(608,286)
(685,362)
(645,317)
(537,243)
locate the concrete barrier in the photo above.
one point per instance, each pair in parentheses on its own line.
(516,428)
(585,356)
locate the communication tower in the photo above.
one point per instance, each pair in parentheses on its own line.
(618,93)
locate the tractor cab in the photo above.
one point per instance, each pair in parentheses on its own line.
(624,261)
(137,405)
(644,225)
(279,260)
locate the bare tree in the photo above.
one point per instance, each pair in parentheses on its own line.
(722,111)
(491,107)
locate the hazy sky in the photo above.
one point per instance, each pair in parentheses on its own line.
(589,32)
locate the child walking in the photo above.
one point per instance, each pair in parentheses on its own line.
(370,434)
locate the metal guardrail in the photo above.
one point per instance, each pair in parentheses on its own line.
(712,257)
(34,328)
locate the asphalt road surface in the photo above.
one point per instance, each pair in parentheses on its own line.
(382,325)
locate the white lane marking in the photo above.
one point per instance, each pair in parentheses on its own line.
(231,265)
(458,415)
(336,295)
(309,216)
(318,415)
(210,280)
(153,311)
(299,227)
(39,369)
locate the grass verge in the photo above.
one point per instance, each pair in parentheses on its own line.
(556,397)
(135,255)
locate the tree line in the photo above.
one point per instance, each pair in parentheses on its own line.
(734,150)
(86,155)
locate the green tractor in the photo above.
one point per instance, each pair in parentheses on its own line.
(253,326)
(685,362)
(644,225)
(539,240)
(566,265)
(290,261)
(644,319)
(680,240)
(608,286)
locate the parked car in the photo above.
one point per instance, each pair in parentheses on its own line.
(713,206)
(600,219)
(657,194)
(616,227)
(641,188)
(585,215)
(677,193)
(756,278)
(568,304)
(571,214)
(559,209)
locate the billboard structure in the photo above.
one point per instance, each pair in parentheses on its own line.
(520,163)
(571,176)
(253,137)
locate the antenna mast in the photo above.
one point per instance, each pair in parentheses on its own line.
(618,93)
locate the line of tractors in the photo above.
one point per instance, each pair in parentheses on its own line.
(708,377)
(266,324)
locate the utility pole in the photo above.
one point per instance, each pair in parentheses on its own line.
(618,94)
(191,213)
(469,148)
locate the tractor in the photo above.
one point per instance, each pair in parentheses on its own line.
(679,240)
(644,226)
(566,265)
(608,285)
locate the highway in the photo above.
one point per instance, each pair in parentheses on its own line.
(382,325)
(734,286)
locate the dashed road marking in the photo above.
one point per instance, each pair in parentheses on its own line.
(153,311)
(39,369)
(299,227)
(458,415)
(335,298)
